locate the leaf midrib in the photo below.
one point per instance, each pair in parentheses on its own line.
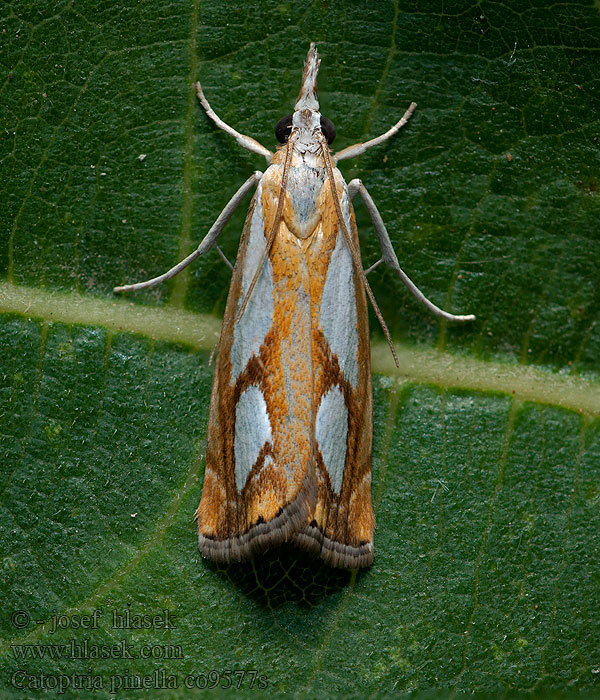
(200,332)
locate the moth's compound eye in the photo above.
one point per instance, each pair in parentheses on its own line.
(328,129)
(283,129)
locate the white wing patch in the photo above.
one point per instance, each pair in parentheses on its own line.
(252,431)
(331,433)
(338,305)
(249,333)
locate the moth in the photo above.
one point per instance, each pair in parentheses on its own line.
(288,453)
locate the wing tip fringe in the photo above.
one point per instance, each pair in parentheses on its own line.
(288,525)
(335,554)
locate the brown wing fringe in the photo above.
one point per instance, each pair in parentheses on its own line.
(311,539)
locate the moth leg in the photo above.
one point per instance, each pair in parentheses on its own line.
(389,256)
(207,242)
(358,148)
(245,141)
(373,266)
(224,258)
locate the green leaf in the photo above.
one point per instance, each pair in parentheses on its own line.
(486,465)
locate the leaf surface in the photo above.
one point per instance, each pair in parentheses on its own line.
(486,442)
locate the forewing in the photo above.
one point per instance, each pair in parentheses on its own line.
(259,484)
(341,530)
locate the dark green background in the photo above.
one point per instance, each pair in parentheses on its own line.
(486,573)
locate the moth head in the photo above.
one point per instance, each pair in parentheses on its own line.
(306,119)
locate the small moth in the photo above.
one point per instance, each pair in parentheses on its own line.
(290,426)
